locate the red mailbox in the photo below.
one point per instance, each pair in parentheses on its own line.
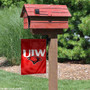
(47,20)
(44,19)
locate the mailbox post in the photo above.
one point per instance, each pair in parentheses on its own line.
(47,20)
(53,79)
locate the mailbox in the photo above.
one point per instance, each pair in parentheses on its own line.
(45,19)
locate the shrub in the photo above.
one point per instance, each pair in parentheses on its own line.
(85,28)
(71,47)
(85,25)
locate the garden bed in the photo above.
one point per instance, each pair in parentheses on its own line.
(65,71)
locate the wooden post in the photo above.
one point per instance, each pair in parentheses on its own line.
(53,80)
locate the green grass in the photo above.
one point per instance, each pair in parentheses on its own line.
(11,80)
(11,31)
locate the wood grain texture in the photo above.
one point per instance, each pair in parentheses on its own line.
(48,25)
(25,20)
(57,14)
(25,25)
(53,81)
(49,16)
(46,10)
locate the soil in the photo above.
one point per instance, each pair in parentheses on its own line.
(65,70)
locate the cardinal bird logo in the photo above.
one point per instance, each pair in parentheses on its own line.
(34,59)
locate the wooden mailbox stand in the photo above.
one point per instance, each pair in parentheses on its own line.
(47,20)
(53,81)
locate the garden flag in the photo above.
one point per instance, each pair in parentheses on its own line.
(33,56)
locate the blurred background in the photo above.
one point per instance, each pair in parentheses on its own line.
(73,45)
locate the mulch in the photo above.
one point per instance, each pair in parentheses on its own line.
(65,71)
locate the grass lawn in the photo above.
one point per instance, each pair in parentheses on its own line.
(11,80)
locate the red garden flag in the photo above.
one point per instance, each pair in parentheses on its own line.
(33,56)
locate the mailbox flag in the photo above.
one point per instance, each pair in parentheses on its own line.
(33,56)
